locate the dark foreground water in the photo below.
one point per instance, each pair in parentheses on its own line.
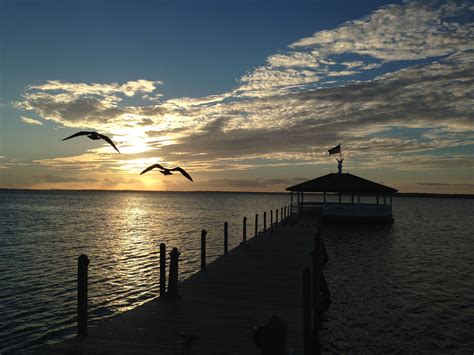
(403,287)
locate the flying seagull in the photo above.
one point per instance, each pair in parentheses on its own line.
(94,136)
(166,171)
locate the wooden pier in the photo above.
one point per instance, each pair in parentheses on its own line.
(221,305)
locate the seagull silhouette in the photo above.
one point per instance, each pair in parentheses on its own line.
(94,136)
(166,171)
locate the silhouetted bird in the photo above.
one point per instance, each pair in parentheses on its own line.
(94,136)
(166,171)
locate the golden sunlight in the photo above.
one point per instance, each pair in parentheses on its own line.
(137,165)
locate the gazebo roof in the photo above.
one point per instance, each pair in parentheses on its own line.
(341,182)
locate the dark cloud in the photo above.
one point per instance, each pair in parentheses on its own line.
(262,184)
(59,178)
(88,110)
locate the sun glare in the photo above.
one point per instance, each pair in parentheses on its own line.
(137,165)
(136,147)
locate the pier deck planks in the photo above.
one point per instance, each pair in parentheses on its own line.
(220,305)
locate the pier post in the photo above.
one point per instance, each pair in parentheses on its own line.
(162,269)
(322,296)
(286,213)
(244,231)
(307,311)
(271,218)
(226,238)
(173,277)
(256,224)
(321,245)
(276,217)
(281,214)
(82,266)
(324,252)
(271,338)
(265,221)
(203,250)
(316,254)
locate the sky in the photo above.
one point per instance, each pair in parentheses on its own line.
(245,95)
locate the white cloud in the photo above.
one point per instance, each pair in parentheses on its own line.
(31,121)
(410,31)
(295,59)
(353,64)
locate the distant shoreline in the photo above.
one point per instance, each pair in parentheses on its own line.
(398,194)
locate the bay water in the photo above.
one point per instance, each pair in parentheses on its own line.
(405,286)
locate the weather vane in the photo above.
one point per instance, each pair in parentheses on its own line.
(335,150)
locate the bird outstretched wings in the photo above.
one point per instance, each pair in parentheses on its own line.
(152,167)
(82,133)
(108,140)
(167,171)
(93,135)
(182,171)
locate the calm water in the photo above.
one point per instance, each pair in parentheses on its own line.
(407,286)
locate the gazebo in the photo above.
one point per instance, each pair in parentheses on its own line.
(344,197)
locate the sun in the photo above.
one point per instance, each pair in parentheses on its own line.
(137,165)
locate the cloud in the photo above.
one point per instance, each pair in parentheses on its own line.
(86,105)
(259,184)
(295,59)
(410,31)
(59,178)
(93,160)
(31,121)
(129,88)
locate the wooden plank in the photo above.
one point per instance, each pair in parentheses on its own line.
(220,305)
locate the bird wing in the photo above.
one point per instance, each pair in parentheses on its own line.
(81,133)
(108,140)
(182,171)
(151,167)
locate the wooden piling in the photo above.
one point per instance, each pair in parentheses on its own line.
(244,231)
(316,283)
(273,337)
(321,245)
(276,217)
(326,295)
(307,311)
(281,214)
(324,252)
(162,269)
(256,224)
(173,276)
(271,218)
(265,221)
(203,249)
(226,238)
(82,268)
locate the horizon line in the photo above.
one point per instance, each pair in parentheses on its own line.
(396,194)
